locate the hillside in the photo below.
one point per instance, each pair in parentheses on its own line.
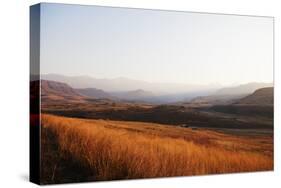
(57,90)
(262,96)
(242,89)
(259,104)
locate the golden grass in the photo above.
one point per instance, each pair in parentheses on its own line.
(128,150)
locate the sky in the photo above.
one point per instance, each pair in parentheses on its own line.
(155,46)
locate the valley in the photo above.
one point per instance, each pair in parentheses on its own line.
(257,113)
(103,136)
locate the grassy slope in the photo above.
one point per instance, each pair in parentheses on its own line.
(79,150)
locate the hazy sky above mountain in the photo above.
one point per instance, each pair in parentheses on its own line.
(155,46)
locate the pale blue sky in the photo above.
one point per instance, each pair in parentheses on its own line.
(155,46)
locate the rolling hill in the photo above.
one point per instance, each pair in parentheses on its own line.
(57,91)
(259,103)
(242,89)
(263,96)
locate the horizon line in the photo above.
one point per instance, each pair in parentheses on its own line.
(153,82)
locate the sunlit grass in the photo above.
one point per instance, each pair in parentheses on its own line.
(127,150)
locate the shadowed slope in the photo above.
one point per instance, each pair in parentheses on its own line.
(263,96)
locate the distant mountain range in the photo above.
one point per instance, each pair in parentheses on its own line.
(138,94)
(122,84)
(134,90)
(57,91)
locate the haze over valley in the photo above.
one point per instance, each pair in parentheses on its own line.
(251,110)
(160,93)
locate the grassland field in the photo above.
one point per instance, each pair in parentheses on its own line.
(77,149)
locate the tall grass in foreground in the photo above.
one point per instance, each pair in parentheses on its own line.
(112,153)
